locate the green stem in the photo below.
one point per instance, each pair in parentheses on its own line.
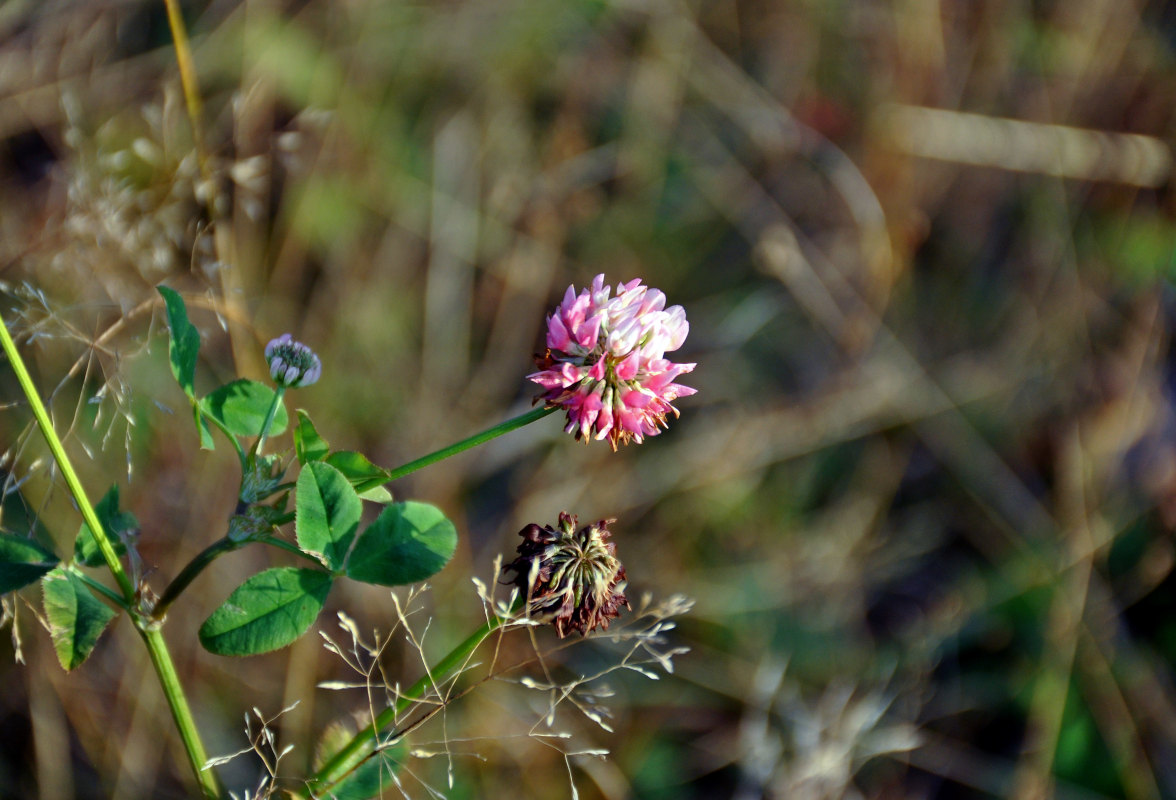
(206,557)
(181,713)
(365,742)
(160,657)
(63,463)
(232,439)
(189,573)
(473,441)
(105,591)
(279,393)
(273,541)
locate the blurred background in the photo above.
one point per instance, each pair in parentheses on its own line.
(925,496)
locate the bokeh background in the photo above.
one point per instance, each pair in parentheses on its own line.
(924,498)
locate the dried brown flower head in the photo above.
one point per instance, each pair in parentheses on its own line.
(571,578)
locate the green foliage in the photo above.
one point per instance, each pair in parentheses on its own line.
(18,517)
(372,778)
(407,543)
(263,476)
(185,341)
(114,522)
(22,562)
(367,478)
(308,445)
(203,428)
(240,408)
(267,612)
(76,617)
(1082,755)
(327,513)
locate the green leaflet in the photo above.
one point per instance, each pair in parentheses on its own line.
(327,512)
(240,407)
(267,612)
(367,478)
(22,561)
(307,443)
(113,520)
(407,543)
(185,341)
(76,617)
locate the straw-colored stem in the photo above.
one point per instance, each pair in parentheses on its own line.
(175,21)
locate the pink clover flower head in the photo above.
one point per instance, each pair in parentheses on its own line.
(605,361)
(292,364)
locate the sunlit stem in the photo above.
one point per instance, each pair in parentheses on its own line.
(67,472)
(473,441)
(366,741)
(165,670)
(160,656)
(63,463)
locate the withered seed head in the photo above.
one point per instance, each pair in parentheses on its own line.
(571,578)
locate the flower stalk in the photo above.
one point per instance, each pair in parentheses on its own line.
(340,765)
(279,393)
(473,441)
(157,648)
(209,554)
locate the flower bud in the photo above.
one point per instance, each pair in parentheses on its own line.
(292,364)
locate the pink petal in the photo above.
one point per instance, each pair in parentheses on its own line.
(677,327)
(604,422)
(654,300)
(548,379)
(627,369)
(571,374)
(636,399)
(557,334)
(589,332)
